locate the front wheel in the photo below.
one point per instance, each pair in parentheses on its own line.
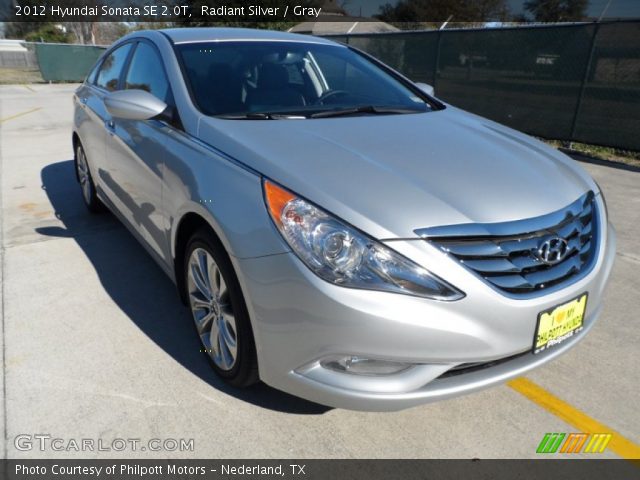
(219,310)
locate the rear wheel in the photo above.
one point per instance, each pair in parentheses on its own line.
(219,310)
(85,179)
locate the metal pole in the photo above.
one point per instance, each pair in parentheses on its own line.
(604,10)
(583,84)
(443,26)
(437,60)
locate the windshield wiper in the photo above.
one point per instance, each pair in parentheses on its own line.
(363,109)
(262,116)
(246,116)
(379,110)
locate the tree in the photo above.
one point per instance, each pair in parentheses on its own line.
(49,32)
(108,32)
(557,10)
(22,30)
(19,30)
(430,11)
(83,31)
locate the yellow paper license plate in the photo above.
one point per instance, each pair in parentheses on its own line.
(559,323)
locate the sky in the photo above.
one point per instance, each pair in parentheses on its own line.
(617,8)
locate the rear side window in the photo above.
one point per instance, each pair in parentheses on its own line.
(91,77)
(111,68)
(147,73)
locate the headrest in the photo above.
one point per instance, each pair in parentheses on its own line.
(272,77)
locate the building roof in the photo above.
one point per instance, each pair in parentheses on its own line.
(7,45)
(345,25)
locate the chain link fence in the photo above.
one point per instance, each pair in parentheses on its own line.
(578,82)
(55,62)
(61,62)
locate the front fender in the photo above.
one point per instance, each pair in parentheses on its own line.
(199,180)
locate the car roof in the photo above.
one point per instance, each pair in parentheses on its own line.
(212,34)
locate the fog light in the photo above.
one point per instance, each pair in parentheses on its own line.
(364,366)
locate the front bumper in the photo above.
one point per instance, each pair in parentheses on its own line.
(299,319)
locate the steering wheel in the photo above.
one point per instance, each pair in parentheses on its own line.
(331,94)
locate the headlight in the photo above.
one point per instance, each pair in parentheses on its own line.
(342,255)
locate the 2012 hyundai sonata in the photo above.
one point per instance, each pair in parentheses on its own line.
(336,230)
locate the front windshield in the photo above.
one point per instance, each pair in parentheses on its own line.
(233,79)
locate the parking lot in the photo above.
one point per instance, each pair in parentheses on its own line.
(96,344)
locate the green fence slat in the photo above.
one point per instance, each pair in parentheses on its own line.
(66,63)
(555,81)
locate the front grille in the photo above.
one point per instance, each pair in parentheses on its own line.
(512,261)
(464,368)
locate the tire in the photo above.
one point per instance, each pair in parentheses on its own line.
(219,311)
(87,187)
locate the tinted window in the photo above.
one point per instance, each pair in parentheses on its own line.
(288,77)
(355,75)
(111,68)
(147,73)
(91,77)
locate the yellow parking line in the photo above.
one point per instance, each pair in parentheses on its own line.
(2,120)
(28,87)
(580,420)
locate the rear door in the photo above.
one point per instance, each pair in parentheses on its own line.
(92,116)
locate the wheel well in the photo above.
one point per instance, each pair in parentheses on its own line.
(189,224)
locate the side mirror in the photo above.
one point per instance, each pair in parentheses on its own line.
(426,88)
(134,104)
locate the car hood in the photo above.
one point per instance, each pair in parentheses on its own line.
(392,174)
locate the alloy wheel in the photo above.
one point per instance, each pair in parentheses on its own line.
(83,175)
(211,309)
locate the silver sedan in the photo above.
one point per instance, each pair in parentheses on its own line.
(336,230)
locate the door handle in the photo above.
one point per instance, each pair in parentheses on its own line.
(111,126)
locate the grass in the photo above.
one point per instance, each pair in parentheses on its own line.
(627,157)
(20,76)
